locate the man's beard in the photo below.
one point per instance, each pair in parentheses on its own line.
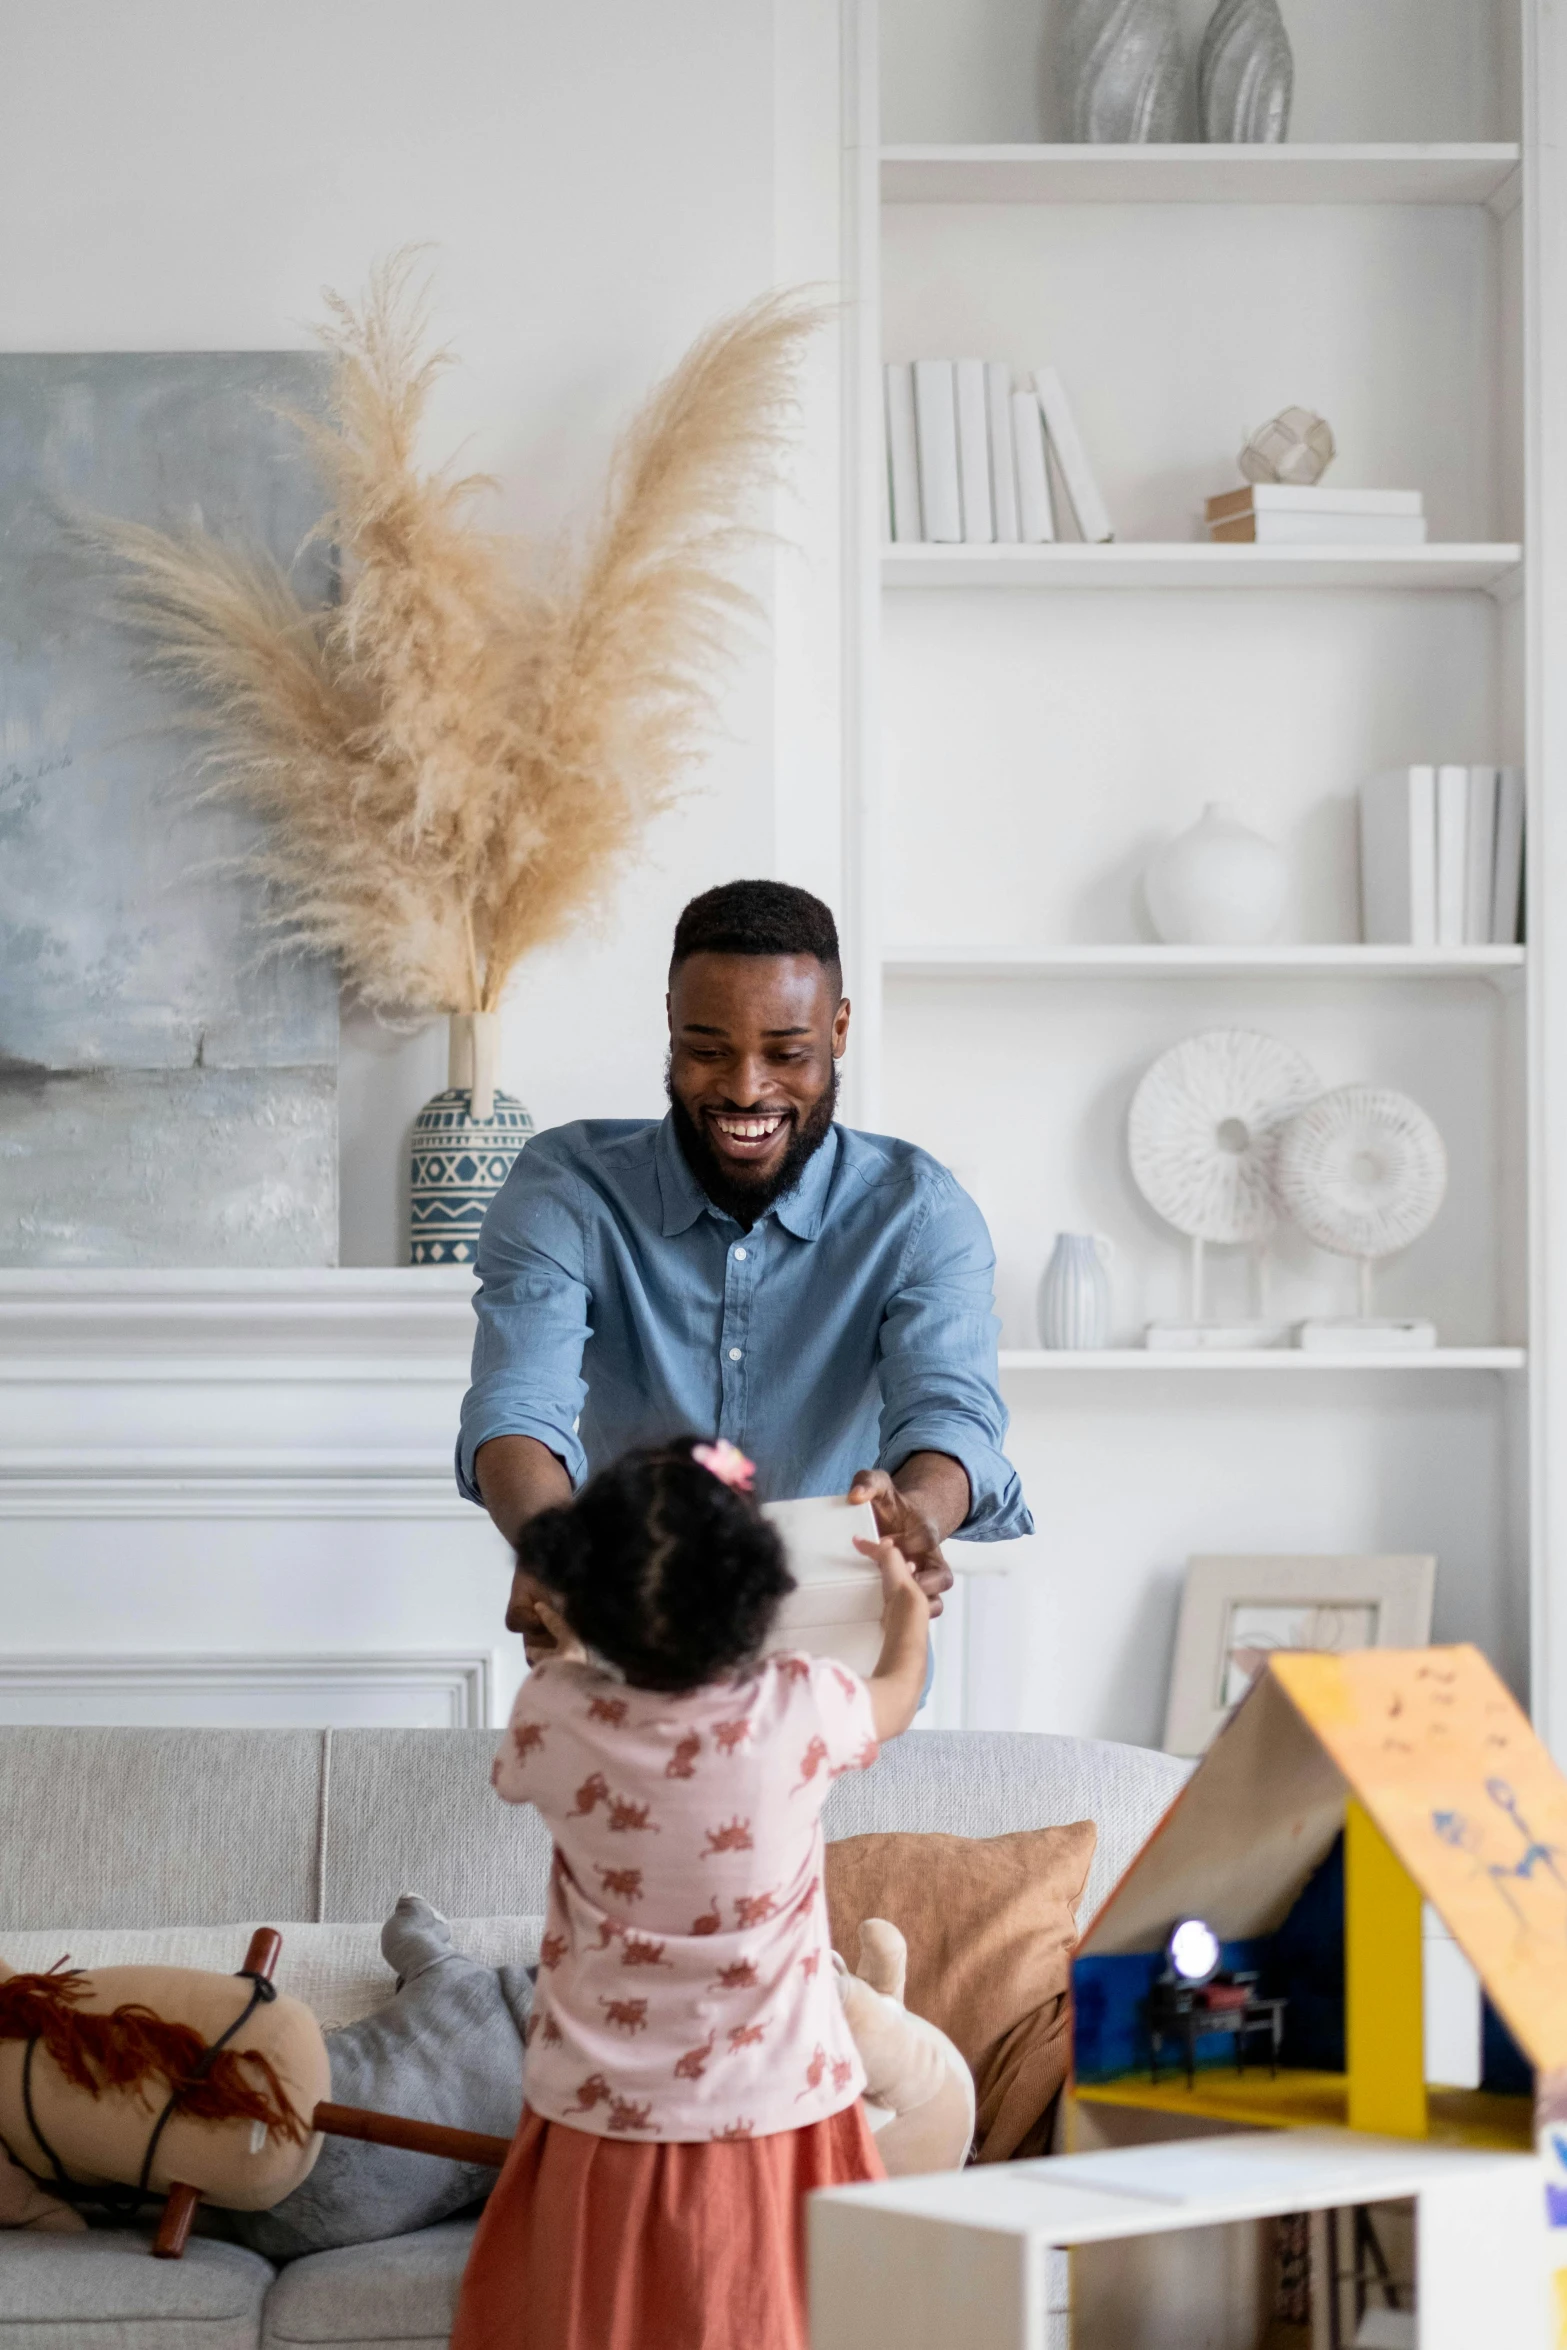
(748,1197)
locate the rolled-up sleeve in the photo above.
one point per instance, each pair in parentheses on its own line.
(532,1308)
(939,1376)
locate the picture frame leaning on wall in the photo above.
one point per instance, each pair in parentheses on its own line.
(1236,1610)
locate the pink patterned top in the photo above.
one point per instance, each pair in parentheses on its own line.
(686,1984)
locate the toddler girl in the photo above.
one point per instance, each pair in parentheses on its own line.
(690,2074)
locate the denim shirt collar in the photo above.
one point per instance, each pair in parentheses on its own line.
(800,1211)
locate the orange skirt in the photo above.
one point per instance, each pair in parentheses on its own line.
(597,2244)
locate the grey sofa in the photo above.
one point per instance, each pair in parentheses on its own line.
(201,1827)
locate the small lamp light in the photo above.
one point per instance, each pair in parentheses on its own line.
(1193,1952)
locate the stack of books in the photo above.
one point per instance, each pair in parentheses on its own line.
(1273,514)
(1441,856)
(969,458)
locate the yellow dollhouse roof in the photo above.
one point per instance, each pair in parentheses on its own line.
(1439,1754)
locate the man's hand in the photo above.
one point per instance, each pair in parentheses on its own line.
(927,1500)
(518,1477)
(523,1614)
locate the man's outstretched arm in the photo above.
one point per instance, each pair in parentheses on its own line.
(517,1477)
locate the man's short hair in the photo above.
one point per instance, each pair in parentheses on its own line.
(758,918)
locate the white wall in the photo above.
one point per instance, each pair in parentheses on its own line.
(260,1470)
(597,182)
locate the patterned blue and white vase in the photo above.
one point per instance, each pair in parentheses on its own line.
(464,1142)
(1074,1295)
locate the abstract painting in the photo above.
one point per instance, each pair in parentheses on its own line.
(168,1082)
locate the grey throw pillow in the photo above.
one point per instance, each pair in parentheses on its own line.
(448,2048)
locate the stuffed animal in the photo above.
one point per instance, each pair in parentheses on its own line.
(919,2093)
(119,2086)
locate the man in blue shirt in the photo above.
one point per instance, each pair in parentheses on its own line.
(744,1267)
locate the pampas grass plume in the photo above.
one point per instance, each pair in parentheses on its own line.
(453,764)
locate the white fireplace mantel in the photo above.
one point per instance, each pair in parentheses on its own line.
(391,1315)
(213,1464)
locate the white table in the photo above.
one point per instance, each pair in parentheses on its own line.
(962,2260)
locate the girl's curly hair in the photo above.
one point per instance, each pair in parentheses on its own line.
(664,1571)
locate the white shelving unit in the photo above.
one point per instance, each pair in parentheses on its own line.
(1155,564)
(1473,173)
(1501,966)
(1401,266)
(1284,1360)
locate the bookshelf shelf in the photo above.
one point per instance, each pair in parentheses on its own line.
(1500,966)
(1179,564)
(1485,174)
(1282,1360)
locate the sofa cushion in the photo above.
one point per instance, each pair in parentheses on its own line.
(129,1827)
(402,2292)
(104,2291)
(990,1926)
(338,1972)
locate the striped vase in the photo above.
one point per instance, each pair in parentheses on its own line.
(464,1142)
(1074,1295)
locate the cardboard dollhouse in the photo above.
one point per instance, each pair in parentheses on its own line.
(1378,1845)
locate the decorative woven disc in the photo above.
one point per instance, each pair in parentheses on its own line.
(1204,1130)
(1362,1171)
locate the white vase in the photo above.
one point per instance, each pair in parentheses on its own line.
(1219,885)
(1074,1294)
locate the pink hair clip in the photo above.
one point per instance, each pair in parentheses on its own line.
(727,1463)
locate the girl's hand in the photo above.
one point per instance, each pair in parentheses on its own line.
(567,1646)
(896,1573)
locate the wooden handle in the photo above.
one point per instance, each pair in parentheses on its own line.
(394,2129)
(174,2228)
(266,1947)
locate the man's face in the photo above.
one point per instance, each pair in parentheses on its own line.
(753,1046)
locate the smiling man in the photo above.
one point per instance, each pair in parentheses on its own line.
(744,1266)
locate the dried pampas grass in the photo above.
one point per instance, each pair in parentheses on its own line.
(454,764)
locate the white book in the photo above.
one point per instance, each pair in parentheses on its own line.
(1035,513)
(1452,853)
(1003,464)
(1093,518)
(1268,529)
(1398,857)
(1507,885)
(1480,857)
(1287,497)
(903,465)
(979,522)
(936,436)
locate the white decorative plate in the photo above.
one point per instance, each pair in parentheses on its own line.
(1204,1129)
(1362,1171)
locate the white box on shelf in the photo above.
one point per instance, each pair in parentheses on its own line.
(835,1608)
(1321,530)
(1353,1336)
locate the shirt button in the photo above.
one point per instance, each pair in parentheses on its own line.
(734,1354)
(739,1256)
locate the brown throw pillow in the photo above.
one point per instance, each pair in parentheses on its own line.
(990,1925)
